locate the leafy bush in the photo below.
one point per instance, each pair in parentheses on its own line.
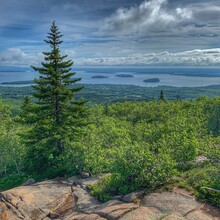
(103,189)
(203,177)
(210,195)
(135,168)
(12,180)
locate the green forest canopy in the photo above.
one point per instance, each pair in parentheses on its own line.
(143,145)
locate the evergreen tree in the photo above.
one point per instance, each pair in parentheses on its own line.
(56,116)
(162,97)
(25,106)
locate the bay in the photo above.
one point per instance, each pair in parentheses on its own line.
(178,77)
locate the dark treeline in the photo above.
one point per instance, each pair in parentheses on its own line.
(102,94)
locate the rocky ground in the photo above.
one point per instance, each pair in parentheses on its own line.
(70,200)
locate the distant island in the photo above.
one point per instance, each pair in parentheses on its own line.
(152,80)
(124,75)
(99,77)
(27,82)
(197,74)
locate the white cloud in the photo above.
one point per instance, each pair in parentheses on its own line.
(206,57)
(150,15)
(15,56)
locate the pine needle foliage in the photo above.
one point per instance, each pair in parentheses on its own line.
(56,117)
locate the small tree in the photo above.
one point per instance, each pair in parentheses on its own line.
(56,116)
(162,97)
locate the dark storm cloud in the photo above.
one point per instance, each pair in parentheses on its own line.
(47,10)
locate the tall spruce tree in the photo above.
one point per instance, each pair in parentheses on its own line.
(56,116)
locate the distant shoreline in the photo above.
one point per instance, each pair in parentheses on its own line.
(31,82)
(11,71)
(25,82)
(210,75)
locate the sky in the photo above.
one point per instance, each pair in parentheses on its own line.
(113,32)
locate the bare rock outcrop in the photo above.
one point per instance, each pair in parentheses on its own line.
(170,202)
(70,200)
(37,201)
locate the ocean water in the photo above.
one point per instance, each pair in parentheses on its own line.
(11,76)
(179,77)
